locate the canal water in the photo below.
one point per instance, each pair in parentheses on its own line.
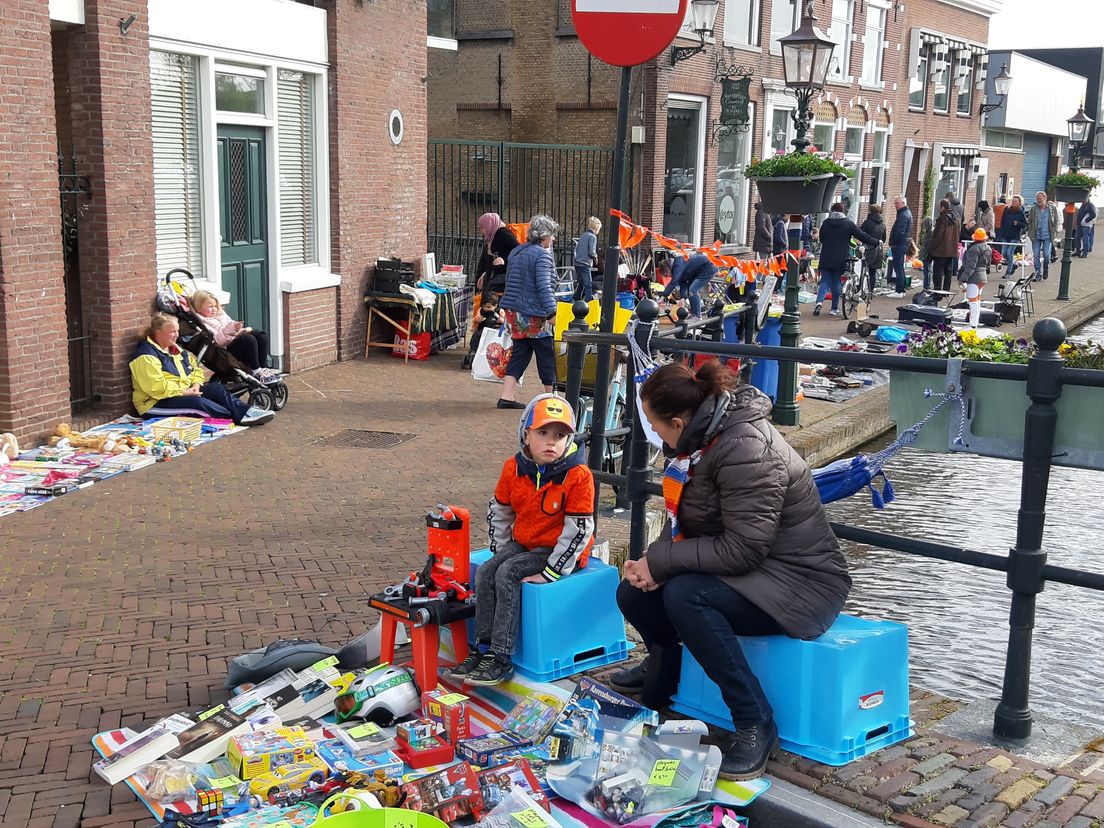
(958,615)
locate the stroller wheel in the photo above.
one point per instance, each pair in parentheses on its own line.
(279,395)
(263,399)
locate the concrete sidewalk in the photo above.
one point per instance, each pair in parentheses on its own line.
(121,603)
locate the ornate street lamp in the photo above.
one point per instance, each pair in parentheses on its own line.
(806,57)
(1001,84)
(1078,130)
(703,14)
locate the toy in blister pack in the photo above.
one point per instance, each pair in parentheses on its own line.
(611,711)
(528,723)
(495,783)
(449,794)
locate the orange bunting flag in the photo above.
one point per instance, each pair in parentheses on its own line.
(520,231)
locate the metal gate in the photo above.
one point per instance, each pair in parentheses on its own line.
(469,178)
(74,189)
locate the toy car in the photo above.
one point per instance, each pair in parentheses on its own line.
(290,777)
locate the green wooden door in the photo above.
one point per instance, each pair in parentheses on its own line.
(243,223)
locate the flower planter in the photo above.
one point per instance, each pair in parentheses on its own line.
(1076,195)
(996,428)
(830,192)
(791,195)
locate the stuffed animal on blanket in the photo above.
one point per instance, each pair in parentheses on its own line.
(9,446)
(65,437)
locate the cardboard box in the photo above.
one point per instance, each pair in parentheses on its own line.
(450,711)
(252,754)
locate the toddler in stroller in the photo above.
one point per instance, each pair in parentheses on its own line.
(263,387)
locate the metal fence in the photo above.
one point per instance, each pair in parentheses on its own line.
(1025,564)
(469,178)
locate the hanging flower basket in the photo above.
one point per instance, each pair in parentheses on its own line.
(830,192)
(1075,195)
(1073,187)
(793,194)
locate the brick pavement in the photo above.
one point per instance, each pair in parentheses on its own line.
(121,603)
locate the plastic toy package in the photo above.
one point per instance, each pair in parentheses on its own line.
(624,777)
(518,808)
(167,781)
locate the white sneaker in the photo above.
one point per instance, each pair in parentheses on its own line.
(895,295)
(257,416)
(834,313)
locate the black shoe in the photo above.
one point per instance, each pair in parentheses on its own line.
(750,750)
(493,669)
(816,310)
(631,679)
(465,667)
(510,403)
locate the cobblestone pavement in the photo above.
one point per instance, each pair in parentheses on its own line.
(121,603)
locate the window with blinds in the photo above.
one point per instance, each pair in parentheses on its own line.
(176,165)
(295,111)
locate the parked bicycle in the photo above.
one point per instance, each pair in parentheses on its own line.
(858,287)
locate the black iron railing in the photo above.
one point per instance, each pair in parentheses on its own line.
(1026,564)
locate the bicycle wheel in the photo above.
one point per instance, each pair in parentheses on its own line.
(849,300)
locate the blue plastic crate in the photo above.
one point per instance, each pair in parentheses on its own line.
(836,698)
(568,626)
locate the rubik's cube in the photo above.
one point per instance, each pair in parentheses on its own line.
(209,801)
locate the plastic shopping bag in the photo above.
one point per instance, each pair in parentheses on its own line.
(492,355)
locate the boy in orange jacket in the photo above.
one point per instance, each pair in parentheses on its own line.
(541,527)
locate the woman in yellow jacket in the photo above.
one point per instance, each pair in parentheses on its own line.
(168,381)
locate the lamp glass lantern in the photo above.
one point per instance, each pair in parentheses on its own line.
(703,16)
(1002,83)
(806,54)
(1078,126)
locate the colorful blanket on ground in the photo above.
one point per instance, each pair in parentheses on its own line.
(46,466)
(487,706)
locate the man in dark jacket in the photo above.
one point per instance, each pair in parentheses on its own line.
(1013,225)
(899,238)
(689,276)
(779,242)
(835,241)
(874,226)
(1086,227)
(763,241)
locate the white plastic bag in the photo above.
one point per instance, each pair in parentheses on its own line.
(498,343)
(518,809)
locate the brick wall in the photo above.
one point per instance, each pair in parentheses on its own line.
(378,192)
(310,323)
(111,127)
(1010,163)
(34,380)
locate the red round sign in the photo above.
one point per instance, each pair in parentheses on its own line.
(627,32)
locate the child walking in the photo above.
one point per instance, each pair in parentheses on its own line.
(248,345)
(541,527)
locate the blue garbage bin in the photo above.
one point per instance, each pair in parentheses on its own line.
(764,374)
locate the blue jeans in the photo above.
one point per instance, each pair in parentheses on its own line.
(498,591)
(706,615)
(695,289)
(1040,249)
(899,257)
(830,279)
(584,289)
(214,401)
(927,274)
(1084,240)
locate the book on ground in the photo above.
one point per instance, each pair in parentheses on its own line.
(208,738)
(134,753)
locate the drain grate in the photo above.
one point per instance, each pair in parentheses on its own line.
(356,438)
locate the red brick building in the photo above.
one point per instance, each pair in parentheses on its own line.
(268,146)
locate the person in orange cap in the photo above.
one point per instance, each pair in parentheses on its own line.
(540,527)
(974,272)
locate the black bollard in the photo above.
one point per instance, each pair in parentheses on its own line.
(1027,558)
(576,355)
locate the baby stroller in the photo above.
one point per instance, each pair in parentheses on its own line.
(173,298)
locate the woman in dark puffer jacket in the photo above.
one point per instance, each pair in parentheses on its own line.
(748,552)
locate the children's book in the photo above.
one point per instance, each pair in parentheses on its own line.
(449,794)
(209,737)
(365,738)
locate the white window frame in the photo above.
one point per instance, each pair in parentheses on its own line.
(883,162)
(701,104)
(787,106)
(854,156)
(923,60)
(967,80)
(879,44)
(1005,134)
(248,71)
(776,30)
(281,279)
(832,126)
(749,25)
(841,56)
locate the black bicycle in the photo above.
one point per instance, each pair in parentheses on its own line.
(857,287)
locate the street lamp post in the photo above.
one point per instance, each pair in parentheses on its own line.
(703,16)
(1078,128)
(806,56)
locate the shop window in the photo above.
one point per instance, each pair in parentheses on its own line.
(682,190)
(872,44)
(174,90)
(741,22)
(298,187)
(733,156)
(240,92)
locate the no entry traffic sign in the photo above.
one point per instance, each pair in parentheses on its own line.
(627,32)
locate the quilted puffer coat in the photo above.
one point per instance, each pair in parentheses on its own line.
(752,517)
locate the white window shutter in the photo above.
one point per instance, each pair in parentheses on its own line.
(176,165)
(295,114)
